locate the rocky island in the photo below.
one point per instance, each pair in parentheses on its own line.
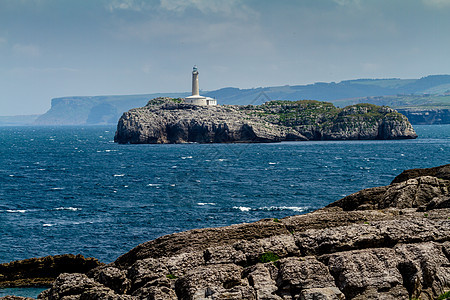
(389,242)
(167,120)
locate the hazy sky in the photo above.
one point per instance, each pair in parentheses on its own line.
(55,48)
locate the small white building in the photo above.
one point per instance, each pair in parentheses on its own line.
(196,98)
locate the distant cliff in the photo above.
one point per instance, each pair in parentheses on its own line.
(166,120)
(97,110)
(424,116)
(430,90)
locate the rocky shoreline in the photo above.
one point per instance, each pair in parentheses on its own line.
(390,242)
(44,270)
(167,120)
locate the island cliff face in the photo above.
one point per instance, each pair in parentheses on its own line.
(390,242)
(166,120)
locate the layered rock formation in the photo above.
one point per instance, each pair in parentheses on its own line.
(166,120)
(390,242)
(44,270)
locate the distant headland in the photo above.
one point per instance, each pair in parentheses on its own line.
(423,101)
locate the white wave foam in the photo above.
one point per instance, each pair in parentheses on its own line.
(242,208)
(276,208)
(57,188)
(208,203)
(47,225)
(186,157)
(119,175)
(154,184)
(272,163)
(16,210)
(70,208)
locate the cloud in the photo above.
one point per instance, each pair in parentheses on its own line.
(437,3)
(352,3)
(26,50)
(133,5)
(229,8)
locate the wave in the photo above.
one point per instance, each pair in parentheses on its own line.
(279,208)
(119,175)
(202,203)
(70,208)
(16,210)
(242,208)
(274,208)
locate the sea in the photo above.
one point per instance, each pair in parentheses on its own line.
(73,190)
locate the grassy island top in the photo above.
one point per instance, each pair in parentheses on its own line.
(312,112)
(307,112)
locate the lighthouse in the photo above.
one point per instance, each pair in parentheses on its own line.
(195,89)
(196,98)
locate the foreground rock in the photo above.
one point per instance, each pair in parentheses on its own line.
(389,242)
(44,270)
(166,120)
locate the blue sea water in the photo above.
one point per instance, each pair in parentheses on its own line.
(73,190)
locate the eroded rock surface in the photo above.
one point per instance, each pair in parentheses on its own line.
(381,243)
(43,271)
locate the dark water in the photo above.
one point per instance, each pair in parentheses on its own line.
(72,190)
(23,292)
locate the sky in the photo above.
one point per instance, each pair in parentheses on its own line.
(58,48)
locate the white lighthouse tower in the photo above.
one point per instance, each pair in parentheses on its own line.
(196,98)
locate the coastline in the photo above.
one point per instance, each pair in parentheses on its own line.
(401,230)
